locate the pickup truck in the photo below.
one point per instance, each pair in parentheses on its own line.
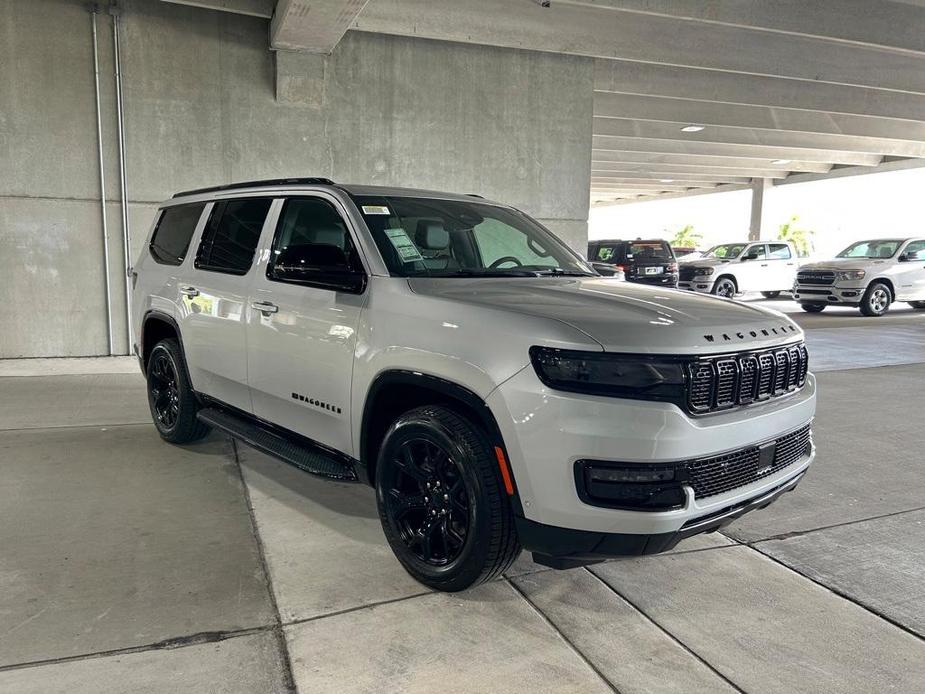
(769,267)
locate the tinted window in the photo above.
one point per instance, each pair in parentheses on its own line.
(312,222)
(606,253)
(229,241)
(779,251)
(173,232)
(641,250)
(756,252)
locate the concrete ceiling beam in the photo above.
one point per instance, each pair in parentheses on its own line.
(625,77)
(679,179)
(602,32)
(720,161)
(312,26)
(616,127)
(254,8)
(616,168)
(669,110)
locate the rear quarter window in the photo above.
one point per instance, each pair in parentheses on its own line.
(173,233)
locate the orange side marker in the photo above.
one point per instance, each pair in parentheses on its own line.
(505,473)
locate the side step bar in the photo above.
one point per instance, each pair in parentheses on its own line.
(293,449)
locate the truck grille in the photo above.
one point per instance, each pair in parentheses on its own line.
(718,383)
(721,473)
(816,277)
(685,274)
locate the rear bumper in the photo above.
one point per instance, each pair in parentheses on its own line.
(664,280)
(562,548)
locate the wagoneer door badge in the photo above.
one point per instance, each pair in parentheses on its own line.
(316,403)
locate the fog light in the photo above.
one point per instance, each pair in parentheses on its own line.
(636,474)
(631,487)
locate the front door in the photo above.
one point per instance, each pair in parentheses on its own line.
(783,266)
(213,293)
(752,270)
(302,336)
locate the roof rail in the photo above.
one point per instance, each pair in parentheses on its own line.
(255,184)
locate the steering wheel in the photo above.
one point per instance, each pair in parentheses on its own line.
(506,259)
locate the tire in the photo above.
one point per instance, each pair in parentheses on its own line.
(463,535)
(770,295)
(918,305)
(813,308)
(725,287)
(170,395)
(877,300)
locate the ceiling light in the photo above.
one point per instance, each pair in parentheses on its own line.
(781,161)
(691,128)
(666,180)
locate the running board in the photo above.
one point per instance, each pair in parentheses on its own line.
(295,450)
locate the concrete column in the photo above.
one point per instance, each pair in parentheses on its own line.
(759,186)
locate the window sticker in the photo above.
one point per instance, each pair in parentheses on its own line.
(407,251)
(375,209)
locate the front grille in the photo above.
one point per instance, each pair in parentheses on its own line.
(686,274)
(718,383)
(721,473)
(815,277)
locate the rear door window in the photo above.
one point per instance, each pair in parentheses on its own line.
(173,233)
(779,251)
(230,239)
(606,253)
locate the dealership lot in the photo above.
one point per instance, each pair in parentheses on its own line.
(127,560)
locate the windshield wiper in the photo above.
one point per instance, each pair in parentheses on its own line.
(559,272)
(512,272)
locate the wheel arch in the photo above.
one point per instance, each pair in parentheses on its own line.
(397,390)
(156,326)
(886,281)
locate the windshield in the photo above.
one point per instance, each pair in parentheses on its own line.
(727,250)
(426,237)
(883,248)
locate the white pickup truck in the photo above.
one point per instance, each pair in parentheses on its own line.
(769,267)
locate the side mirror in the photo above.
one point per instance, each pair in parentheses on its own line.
(317,264)
(905,257)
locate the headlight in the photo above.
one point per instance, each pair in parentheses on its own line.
(850,275)
(703,271)
(640,377)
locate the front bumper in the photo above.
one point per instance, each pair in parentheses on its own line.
(563,548)
(704,285)
(841,293)
(546,431)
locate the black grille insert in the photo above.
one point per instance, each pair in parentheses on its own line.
(721,473)
(816,277)
(718,383)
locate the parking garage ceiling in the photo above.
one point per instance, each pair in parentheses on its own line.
(690,96)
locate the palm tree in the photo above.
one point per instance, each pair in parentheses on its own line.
(686,237)
(800,238)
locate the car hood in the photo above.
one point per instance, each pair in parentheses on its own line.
(621,316)
(848,264)
(708,262)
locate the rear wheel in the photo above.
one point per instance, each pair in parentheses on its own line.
(170,395)
(877,300)
(770,295)
(813,308)
(440,499)
(725,287)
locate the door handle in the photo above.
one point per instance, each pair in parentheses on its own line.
(189,291)
(264,307)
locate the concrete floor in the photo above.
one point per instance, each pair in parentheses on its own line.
(129,565)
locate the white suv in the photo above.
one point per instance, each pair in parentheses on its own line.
(728,269)
(457,356)
(868,274)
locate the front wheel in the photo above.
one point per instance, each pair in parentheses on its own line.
(770,295)
(441,502)
(170,395)
(877,300)
(725,287)
(813,308)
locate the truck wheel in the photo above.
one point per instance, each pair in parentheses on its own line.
(917,305)
(876,300)
(725,287)
(170,395)
(813,308)
(770,295)
(441,502)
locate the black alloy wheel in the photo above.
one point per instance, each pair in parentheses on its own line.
(725,287)
(170,395)
(442,501)
(813,308)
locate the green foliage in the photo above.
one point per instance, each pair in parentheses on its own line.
(686,237)
(802,239)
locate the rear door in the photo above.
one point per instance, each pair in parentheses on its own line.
(910,273)
(783,267)
(213,295)
(302,334)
